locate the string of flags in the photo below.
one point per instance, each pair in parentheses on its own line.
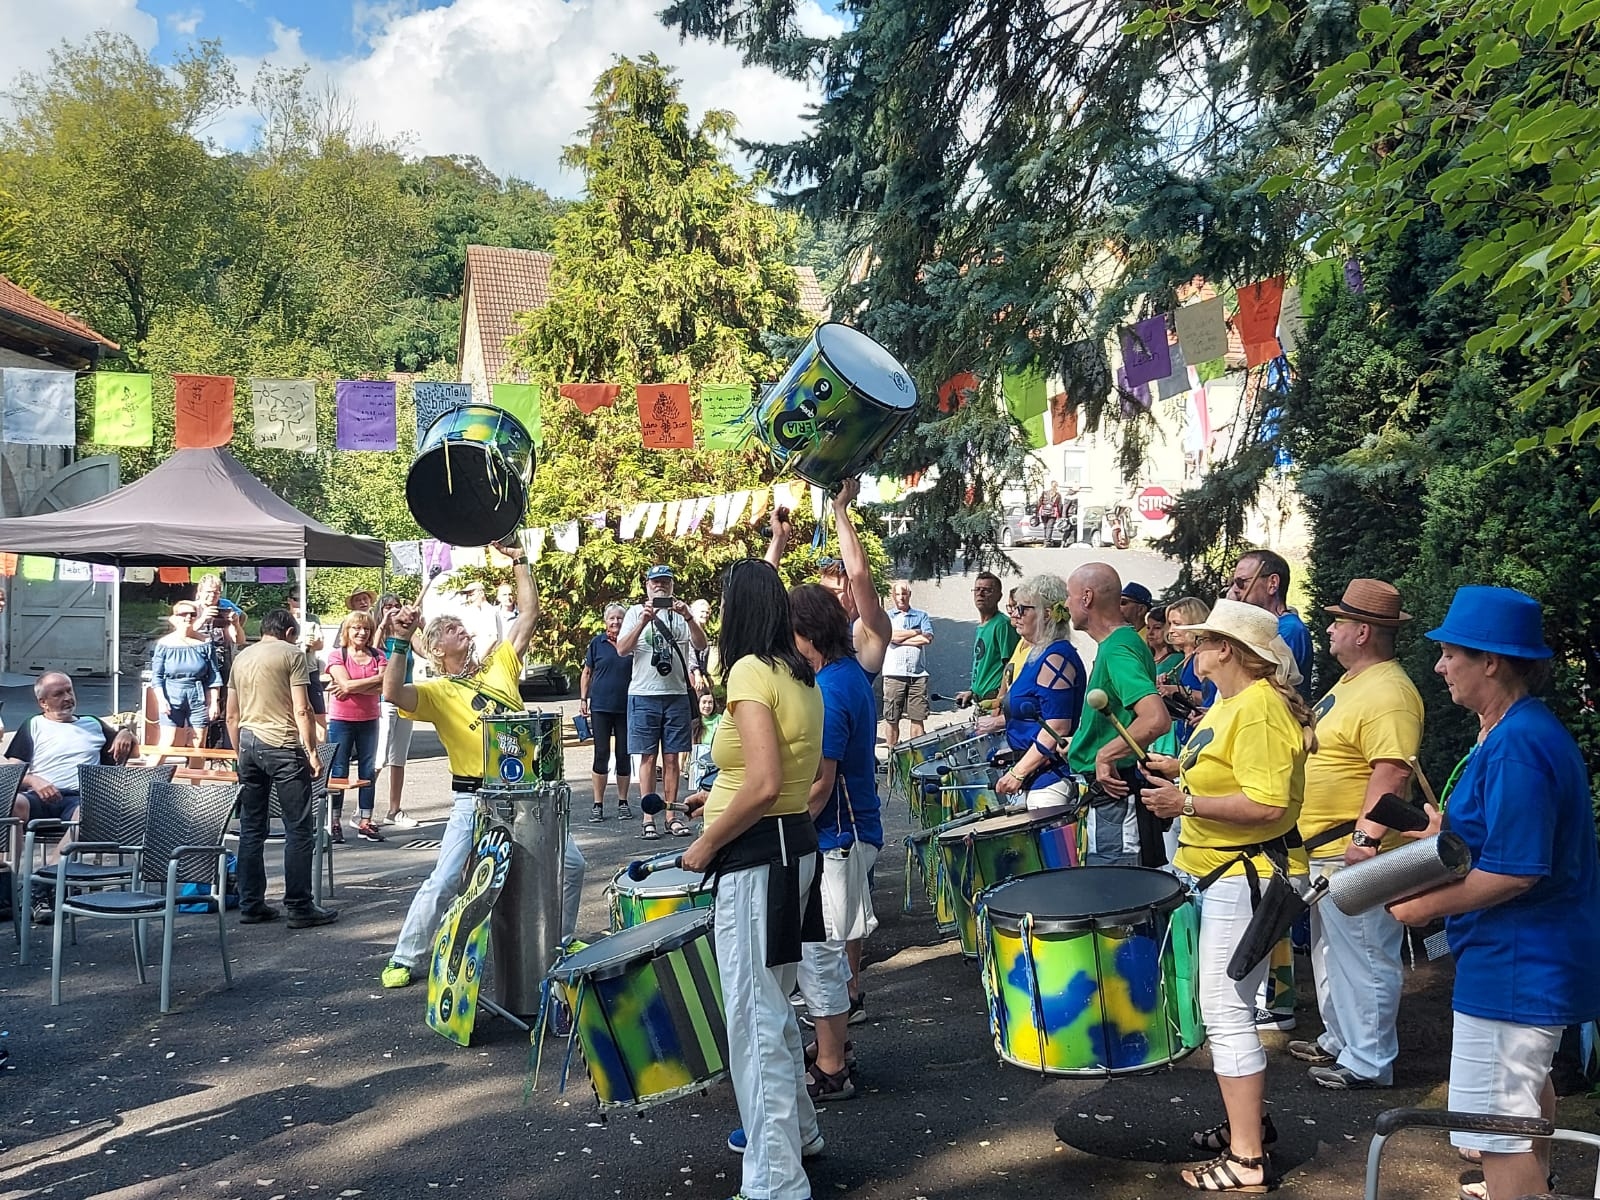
(37,568)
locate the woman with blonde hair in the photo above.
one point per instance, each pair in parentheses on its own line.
(184,678)
(1040,710)
(1184,682)
(355,672)
(1238,786)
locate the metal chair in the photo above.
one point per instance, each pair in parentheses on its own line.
(1393,1121)
(182,844)
(10,784)
(112,802)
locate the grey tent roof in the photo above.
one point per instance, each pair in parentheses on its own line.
(198,508)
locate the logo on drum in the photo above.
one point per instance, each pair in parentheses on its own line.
(512,770)
(901,382)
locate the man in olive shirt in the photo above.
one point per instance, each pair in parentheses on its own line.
(1125,670)
(992,646)
(269,720)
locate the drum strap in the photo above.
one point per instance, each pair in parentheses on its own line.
(1342,830)
(1275,850)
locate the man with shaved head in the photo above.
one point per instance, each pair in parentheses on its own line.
(1125,670)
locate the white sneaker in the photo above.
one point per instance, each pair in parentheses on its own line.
(401,821)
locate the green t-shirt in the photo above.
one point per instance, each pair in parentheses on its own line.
(991,648)
(1125,670)
(1171,663)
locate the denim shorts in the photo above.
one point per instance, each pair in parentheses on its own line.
(667,721)
(184,707)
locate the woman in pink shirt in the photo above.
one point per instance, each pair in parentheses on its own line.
(356,673)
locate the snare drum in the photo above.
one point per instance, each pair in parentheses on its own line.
(666,890)
(993,849)
(974,751)
(522,749)
(468,484)
(647,1010)
(918,750)
(922,857)
(1091,971)
(963,790)
(837,406)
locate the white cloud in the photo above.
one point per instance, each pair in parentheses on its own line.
(33,29)
(185,23)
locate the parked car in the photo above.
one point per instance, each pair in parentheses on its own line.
(1021,528)
(543,679)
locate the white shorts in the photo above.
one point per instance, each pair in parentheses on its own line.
(394,736)
(1500,1068)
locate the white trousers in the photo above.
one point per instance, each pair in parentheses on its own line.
(764,1047)
(1228,1006)
(421,926)
(1357,967)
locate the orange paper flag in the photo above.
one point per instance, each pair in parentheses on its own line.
(204,411)
(173,574)
(590,396)
(665,416)
(1063,419)
(1259,305)
(8,565)
(956,391)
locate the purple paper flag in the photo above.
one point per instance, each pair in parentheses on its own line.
(365,414)
(1352,277)
(101,573)
(1131,397)
(1145,356)
(435,554)
(272,575)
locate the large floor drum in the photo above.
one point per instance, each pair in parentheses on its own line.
(468,485)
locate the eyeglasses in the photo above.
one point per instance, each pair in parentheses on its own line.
(187,613)
(1019,609)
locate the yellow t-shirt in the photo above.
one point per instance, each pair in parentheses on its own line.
(1247,743)
(1376,714)
(797,711)
(453,706)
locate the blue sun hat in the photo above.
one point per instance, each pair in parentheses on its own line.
(1496,620)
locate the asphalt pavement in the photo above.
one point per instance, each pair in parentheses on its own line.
(307,1079)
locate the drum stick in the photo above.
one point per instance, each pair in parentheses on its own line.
(1422,779)
(1100,702)
(641,869)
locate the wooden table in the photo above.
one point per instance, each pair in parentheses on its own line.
(200,775)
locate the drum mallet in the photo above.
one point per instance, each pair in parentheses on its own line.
(641,868)
(651,803)
(1100,702)
(1422,779)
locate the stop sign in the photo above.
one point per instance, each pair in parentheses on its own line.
(1154,502)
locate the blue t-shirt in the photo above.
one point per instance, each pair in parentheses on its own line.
(1293,631)
(849,732)
(1522,804)
(1057,697)
(609,676)
(1189,678)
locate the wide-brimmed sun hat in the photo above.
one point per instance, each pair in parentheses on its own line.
(1370,600)
(1496,620)
(1254,628)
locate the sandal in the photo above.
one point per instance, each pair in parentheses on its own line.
(650,833)
(810,1054)
(1218,1175)
(677,828)
(1216,1139)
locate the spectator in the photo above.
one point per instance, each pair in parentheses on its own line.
(701,610)
(603,698)
(905,671)
(660,637)
(269,719)
(360,601)
(705,729)
(53,745)
(993,643)
(222,625)
(355,672)
(1048,513)
(1183,681)
(310,641)
(505,604)
(1134,604)
(184,677)
(394,731)
(481,618)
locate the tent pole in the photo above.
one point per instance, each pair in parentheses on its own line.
(116,639)
(305,613)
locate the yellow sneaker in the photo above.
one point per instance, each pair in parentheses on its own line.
(397,975)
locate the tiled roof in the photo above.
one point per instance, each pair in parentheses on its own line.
(19,302)
(812,301)
(503,283)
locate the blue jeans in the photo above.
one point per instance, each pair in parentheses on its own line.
(358,739)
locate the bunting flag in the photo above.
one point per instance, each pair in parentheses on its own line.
(722,409)
(719,513)
(686,512)
(1145,357)
(73,571)
(239,574)
(664,418)
(1291,320)
(736,507)
(272,574)
(521,400)
(1202,408)
(783,497)
(819,502)
(1063,419)
(1033,432)
(1025,392)
(139,574)
(632,518)
(669,521)
(284,413)
(1319,284)
(1259,305)
(8,565)
(202,411)
(173,574)
(1202,330)
(1352,277)
(36,569)
(598,519)
(122,409)
(496,558)
(565,537)
(652,518)
(433,398)
(40,407)
(364,414)
(957,392)
(196,574)
(467,557)
(405,558)
(435,557)
(1132,397)
(591,396)
(1086,372)
(758,505)
(1177,382)
(103,573)
(533,543)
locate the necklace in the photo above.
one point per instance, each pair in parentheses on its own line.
(467,672)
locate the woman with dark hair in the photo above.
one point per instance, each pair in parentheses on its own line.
(1522,924)
(844,805)
(760,843)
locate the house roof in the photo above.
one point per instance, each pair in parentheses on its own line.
(812,301)
(502,283)
(31,326)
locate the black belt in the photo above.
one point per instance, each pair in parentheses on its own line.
(466,783)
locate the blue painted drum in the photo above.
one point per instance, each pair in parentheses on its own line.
(468,485)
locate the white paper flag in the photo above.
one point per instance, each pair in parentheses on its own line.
(239,574)
(69,568)
(405,558)
(468,556)
(533,542)
(719,513)
(758,505)
(566,537)
(685,516)
(670,520)
(652,518)
(783,496)
(41,407)
(870,492)
(818,500)
(632,517)
(736,508)
(140,575)
(1202,331)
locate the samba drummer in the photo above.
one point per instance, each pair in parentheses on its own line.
(461,693)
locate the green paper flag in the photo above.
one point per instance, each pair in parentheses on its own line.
(1025,393)
(1034,428)
(40,570)
(521,400)
(196,574)
(121,409)
(1320,283)
(722,405)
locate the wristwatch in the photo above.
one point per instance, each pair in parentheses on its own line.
(1365,840)
(1188,805)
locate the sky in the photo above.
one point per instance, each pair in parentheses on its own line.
(506,80)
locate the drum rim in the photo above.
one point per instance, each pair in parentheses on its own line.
(1011,921)
(687,925)
(822,353)
(1064,816)
(476,406)
(920,835)
(642,890)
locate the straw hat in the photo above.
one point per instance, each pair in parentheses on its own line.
(1254,628)
(1372,601)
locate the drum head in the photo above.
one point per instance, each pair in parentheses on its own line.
(668,881)
(1076,898)
(614,954)
(868,366)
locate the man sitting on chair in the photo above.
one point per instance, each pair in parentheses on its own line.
(53,746)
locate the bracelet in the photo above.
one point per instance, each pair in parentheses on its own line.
(396,645)
(1012,771)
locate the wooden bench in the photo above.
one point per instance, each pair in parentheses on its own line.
(155,753)
(225,775)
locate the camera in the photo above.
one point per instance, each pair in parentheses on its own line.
(661,660)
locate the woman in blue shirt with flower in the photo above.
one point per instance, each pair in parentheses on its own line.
(1524,925)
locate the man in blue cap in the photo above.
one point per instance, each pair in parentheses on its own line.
(661,636)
